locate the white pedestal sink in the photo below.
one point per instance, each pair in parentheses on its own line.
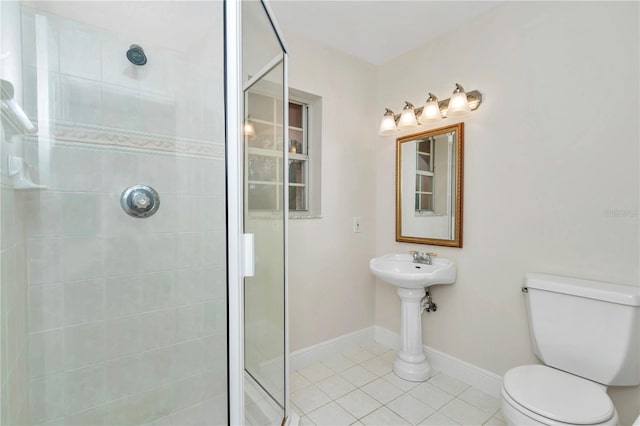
(411,279)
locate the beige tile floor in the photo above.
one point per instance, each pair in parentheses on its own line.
(358,387)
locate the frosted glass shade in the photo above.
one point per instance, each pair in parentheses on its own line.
(458,105)
(430,112)
(408,118)
(388,125)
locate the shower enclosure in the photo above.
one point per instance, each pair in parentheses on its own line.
(122,208)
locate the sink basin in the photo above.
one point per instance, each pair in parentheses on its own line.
(399,270)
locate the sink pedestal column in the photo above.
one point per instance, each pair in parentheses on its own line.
(411,363)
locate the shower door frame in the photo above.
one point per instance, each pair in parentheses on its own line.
(234,101)
(233,114)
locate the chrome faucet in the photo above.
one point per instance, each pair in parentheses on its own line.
(424,258)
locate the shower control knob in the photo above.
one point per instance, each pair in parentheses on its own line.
(140,201)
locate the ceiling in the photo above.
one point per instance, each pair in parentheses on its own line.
(374,31)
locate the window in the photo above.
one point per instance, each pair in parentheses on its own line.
(298,156)
(264,168)
(425,175)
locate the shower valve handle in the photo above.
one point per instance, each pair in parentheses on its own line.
(141,200)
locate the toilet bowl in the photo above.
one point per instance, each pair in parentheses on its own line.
(587,333)
(541,395)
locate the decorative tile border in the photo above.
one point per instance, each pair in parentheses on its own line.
(139,141)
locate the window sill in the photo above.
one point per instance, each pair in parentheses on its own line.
(304,216)
(429,214)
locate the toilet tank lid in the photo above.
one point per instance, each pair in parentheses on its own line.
(614,293)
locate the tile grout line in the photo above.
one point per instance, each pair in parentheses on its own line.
(455,395)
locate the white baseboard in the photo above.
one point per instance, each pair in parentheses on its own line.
(307,356)
(475,376)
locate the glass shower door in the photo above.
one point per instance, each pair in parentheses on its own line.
(265,214)
(113,238)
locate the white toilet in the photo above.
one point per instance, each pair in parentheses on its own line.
(588,335)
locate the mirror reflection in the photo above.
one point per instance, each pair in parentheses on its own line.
(429,168)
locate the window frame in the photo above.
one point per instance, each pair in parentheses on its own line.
(312,131)
(301,157)
(314,153)
(430,173)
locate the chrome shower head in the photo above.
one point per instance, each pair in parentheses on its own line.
(136,55)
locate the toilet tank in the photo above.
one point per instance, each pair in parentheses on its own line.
(587,328)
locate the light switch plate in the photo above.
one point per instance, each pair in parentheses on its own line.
(357,224)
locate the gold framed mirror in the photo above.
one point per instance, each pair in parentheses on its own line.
(429,186)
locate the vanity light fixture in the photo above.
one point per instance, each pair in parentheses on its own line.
(431,110)
(408,118)
(388,124)
(459,104)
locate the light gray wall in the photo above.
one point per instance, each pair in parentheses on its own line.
(551,168)
(330,287)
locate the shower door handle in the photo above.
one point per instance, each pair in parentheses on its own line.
(249,255)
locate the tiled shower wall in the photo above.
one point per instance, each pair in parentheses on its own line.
(14,393)
(91,82)
(14,353)
(126,316)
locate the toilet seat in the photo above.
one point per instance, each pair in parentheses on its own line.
(552,396)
